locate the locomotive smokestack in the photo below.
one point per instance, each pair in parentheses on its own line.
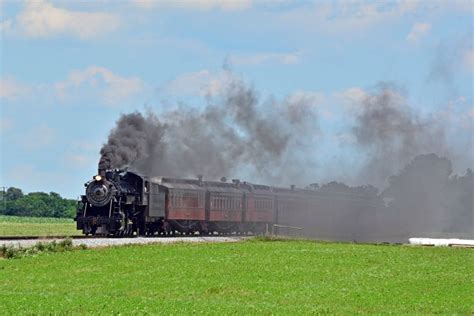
(236,182)
(101,172)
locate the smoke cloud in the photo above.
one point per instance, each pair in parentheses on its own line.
(390,133)
(275,141)
(426,199)
(134,138)
(235,130)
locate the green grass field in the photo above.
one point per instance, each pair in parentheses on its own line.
(36,226)
(252,277)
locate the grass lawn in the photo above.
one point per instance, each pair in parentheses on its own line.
(252,277)
(36,226)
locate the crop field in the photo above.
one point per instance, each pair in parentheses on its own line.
(250,277)
(36,226)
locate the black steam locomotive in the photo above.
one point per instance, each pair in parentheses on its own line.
(122,203)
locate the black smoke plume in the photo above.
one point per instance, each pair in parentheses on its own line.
(134,137)
(235,130)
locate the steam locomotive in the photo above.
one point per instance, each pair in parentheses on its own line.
(123,203)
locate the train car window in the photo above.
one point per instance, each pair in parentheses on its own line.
(190,199)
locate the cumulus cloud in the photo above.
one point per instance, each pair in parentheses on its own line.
(199,83)
(469,60)
(261,58)
(11,89)
(81,153)
(110,87)
(226,5)
(344,16)
(97,83)
(41,19)
(350,97)
(418,30)
(5,124)
(39,137)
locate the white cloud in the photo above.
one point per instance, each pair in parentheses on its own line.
(5,26)
(41,19)
(39,137)
(352,96)
(418,30)
(312,98)
(11,89)
(81,153)
(76,160)
(226,5)
(200,83)
(257,59)
(469,60)
(345,16)
(96,83)
(5,124)
(110,87)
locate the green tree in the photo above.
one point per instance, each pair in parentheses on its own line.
(14,194)
(39,204)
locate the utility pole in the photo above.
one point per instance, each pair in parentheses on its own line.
(4,198)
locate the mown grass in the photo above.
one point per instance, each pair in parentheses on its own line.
(253,277)
(36,226)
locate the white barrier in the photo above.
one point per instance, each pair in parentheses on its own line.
(441,242)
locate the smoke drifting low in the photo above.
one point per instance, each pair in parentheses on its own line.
(426,198)
(275,142)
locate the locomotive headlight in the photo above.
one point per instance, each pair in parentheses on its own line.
(97,178)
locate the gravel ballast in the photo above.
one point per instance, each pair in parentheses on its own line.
(106,242)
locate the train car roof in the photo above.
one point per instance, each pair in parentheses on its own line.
(179,184)
(215,186)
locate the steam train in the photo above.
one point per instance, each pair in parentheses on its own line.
(123,203)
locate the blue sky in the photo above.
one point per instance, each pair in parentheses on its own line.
(68,69)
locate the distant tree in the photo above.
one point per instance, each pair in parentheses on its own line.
(38,204)
(313,186)
(13,194)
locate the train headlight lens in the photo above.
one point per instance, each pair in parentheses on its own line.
(97,178)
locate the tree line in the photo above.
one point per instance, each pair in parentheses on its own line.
(38,204)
